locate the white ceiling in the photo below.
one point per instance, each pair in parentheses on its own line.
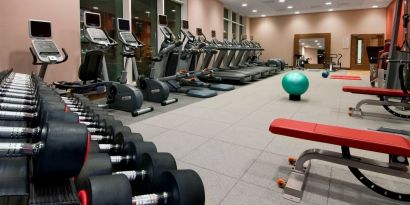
(275,8)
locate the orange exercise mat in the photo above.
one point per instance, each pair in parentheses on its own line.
(345,77)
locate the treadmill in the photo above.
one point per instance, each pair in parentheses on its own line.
(217,70)
(231,64)
(251,51)
(241,57)
(166,66)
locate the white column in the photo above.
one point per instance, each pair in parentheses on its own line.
(160,11)
(127,14)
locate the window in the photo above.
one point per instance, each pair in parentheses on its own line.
(144,26)
(173,13)
(234,25)
(109,10)
(359,51)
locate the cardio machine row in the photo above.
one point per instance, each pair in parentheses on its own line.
(174,69)
(77,150)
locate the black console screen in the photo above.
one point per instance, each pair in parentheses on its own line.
(40,29)
(163,20)
(92,19)
(123,24)
(185,24)
(199,32)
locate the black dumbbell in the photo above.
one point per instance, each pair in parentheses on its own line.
(177,187)
(61,151)
(130,156)
(116,146)
(142,178)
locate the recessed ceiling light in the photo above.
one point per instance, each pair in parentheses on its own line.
(244,5)
(95,7)
(263,15)
(328,3)
(173,10)
(330,10)
(303,44)
(375,6)
(297,12)
(254,11)
(290,7)
(136,17)
(147,12)
(320,46)
(281,1)
(316,41)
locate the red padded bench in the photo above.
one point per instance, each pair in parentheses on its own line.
(374,91)
(354,138)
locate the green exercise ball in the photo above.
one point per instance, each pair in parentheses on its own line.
(295,83)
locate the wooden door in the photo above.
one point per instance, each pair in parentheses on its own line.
(358,53)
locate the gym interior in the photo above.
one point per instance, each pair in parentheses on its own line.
(193,102)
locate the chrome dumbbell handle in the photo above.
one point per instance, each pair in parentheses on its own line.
(100,137)
(133,175)
(19,149)
(17,95)
(120,159)
(18,100)
(17,87)
(108,147)
(9,115)
(17,107)
(18,132)
(149,199)
(17,91)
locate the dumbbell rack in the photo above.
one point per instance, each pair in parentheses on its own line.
(19,183)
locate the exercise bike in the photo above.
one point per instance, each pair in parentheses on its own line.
(120,96)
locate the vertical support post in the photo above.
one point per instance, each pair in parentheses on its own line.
(127,14)
(392,81)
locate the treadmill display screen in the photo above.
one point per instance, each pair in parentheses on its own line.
(40,28)
(123,24)
(199,32)
(185,24)
(213,34)
(163,20)
(92,19)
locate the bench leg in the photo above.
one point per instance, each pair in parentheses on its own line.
(357,111)
(295,184)
(297,180)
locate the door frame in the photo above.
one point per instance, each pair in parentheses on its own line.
(353,48)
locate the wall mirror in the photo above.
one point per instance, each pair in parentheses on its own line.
(311,49)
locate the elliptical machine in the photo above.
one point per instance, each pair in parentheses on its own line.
(153,90)
(43,49)
(120,96)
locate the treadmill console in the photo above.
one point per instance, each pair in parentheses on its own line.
(92,22)
(124,33)
(43,45)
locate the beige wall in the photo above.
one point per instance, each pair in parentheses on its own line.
(276,33)
(208,15)
(15,41)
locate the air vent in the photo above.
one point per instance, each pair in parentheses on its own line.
(316,6)
(343,4)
